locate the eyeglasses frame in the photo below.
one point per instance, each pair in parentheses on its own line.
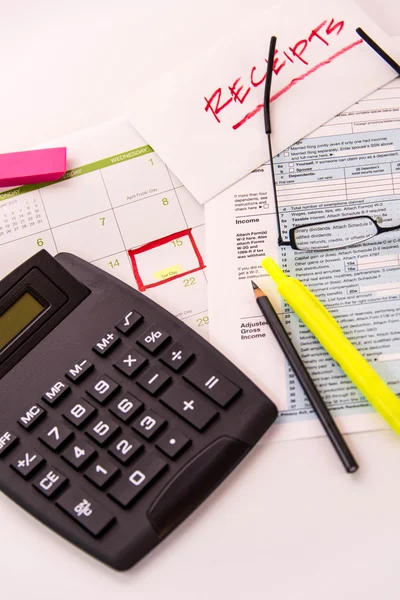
(267,124)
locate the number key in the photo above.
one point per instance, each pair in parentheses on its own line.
(56,436)
(102,431)
(128,488)
(124,450)
(103,389)
(79,412)
(78,454)
(148,424)
(126,407)
(101,472)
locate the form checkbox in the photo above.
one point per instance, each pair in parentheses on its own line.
(291,170)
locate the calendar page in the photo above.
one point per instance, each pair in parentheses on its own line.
(119,207)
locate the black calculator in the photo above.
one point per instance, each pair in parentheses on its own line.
(116,419)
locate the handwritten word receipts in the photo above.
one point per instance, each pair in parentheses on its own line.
(293,55)
(204,117)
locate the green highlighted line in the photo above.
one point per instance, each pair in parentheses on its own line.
(78,171)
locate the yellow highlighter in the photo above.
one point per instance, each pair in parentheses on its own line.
(329,333)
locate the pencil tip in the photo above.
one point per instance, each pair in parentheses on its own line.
(255,286)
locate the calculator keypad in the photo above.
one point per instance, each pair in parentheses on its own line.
(120,461)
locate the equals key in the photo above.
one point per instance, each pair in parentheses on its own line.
(212,383)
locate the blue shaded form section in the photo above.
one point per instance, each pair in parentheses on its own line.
(328,178)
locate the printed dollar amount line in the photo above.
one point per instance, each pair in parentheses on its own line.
(78,171)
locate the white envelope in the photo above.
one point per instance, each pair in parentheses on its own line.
(205,118)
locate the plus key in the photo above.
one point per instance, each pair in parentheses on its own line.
(191,407)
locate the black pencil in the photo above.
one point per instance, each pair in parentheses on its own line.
(305,381)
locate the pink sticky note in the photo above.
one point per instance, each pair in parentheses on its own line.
(32,166)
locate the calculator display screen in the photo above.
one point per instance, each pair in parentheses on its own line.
(17,317)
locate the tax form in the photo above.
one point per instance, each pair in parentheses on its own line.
(348,167)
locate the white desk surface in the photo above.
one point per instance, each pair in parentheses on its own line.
(289,523)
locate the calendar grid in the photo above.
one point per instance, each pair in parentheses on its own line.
(101,214)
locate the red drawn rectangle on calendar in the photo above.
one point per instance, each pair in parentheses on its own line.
(163,260)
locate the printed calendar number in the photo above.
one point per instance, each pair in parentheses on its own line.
(114,263)
(202,321)
(19,217)
(189,281)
